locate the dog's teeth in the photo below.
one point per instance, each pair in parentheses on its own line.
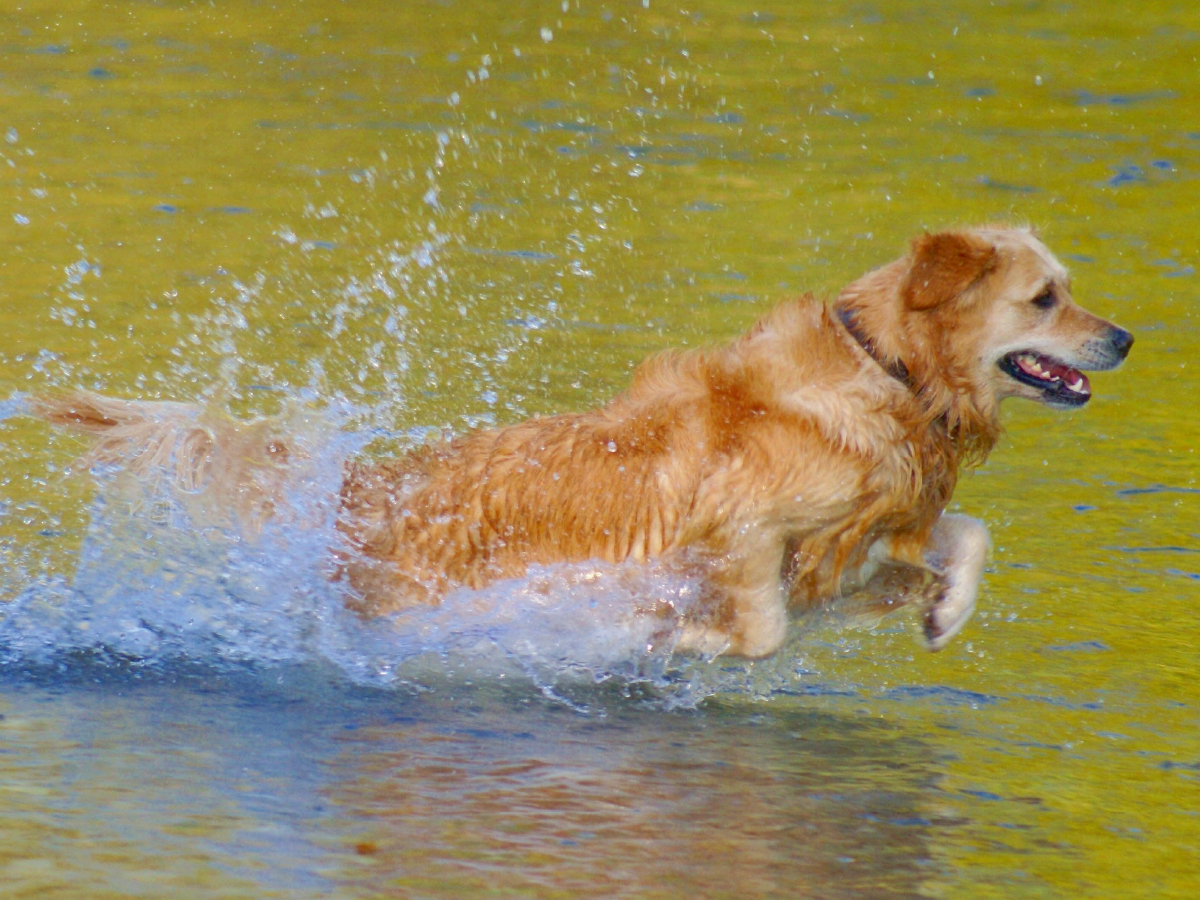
(1077,386)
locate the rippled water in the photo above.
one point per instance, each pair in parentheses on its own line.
(411,217)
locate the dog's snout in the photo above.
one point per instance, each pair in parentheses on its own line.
(1120,340)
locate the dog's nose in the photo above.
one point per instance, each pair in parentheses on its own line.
(1121,340)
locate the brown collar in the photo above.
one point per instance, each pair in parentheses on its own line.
(893,367)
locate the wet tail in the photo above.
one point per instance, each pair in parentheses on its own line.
(236,467)
(140,436)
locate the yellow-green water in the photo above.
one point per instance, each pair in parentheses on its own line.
(450,213)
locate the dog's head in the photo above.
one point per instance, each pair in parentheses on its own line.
(1001,295)
(986,314)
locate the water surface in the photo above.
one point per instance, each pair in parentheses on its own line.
(409,217)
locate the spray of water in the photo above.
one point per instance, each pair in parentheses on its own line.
(163,581)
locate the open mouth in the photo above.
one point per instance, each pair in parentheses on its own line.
(1058,382)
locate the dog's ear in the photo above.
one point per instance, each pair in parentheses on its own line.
(944,265)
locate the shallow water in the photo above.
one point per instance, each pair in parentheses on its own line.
(406,217)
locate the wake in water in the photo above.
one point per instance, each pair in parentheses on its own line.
(166,577)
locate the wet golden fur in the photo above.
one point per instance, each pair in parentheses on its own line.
(812,456)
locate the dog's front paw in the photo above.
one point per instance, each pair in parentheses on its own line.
(951,607)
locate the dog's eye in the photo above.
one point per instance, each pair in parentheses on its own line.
(1044,300)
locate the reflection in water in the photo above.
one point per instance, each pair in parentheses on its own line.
(795,805)
(462,792)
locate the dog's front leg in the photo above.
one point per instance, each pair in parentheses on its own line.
(739,621)
(742,609)
(957,551)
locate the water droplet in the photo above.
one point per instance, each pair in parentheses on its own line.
(547,35)
(11,135)
(612,446)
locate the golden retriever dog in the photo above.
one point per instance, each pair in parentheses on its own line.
(809,458)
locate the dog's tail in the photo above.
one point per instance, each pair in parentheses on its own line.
(234,467)
(143,437)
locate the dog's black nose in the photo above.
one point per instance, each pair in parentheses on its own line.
(1121,340)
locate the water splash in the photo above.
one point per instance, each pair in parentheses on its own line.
(164,581)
